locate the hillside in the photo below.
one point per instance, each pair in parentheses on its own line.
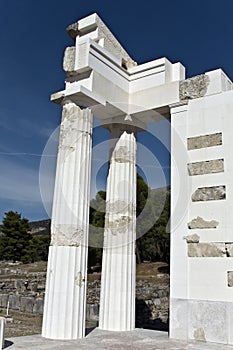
(41,227)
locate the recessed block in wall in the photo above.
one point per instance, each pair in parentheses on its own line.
(200,223)
(199,250)
(229,249)
(206,167)
(230,278)
(204,141)
(209,193)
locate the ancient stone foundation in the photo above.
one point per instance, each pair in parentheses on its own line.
(152,301)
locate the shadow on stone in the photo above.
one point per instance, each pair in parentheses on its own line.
(7,344)
(144,318)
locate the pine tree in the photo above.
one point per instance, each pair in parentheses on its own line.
(15,238)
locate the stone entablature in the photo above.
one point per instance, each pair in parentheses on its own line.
(93,27)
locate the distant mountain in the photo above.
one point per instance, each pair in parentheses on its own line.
(41,227)
(161,189)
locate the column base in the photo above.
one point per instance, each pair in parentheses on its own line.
(65,298)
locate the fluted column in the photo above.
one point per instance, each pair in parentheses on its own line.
(65,296)
(117,299)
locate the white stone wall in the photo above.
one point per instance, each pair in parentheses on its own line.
(201,296)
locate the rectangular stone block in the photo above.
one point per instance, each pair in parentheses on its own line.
(69,59)
(27,304)
(209,193)
(204,141)
(14,302)
(87,312)
(178,328)
(207,321)
(206,167)
(206,250)
(229,249)
(230,278)
(38,306)
(4,300)
(94,312)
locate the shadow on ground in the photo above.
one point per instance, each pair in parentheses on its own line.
(7,343)
(144,318)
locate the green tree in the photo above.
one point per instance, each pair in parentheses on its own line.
(37,249)
(155,243)
(153,233)
(96,229)
(15,238)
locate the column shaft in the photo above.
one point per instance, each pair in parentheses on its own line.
(65,297)
(117,300)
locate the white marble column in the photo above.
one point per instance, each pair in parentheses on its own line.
(117,299)
(65,296)
(2,332)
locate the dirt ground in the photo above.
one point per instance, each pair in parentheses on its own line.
(20,324)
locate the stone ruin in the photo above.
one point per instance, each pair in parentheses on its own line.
(104,81)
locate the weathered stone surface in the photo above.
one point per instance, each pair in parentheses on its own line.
(27,304)
(72,30)
(69,60)
(94,312)
(200,223)
(199,334)
(18,284)
(123,155)
(192,238)
(209,193)
(204,141)
(120,206)
(4,300)
(67,235)
(229,249)
(33,287)
(110,43)
(206,250)
(14,302)
(230,278)
(207,167)
(118,226)
(38,306)
(194,87)
(152,300)
(121,211)
(207,321)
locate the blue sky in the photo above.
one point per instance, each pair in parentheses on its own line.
(33,37)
